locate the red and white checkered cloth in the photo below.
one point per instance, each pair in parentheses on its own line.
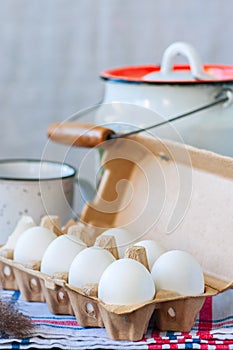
(213,330)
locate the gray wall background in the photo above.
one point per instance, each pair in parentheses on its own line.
(52,51)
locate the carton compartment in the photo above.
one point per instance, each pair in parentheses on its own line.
(128,326)
(86,308)
(7,274)
(29,283)
(178,315)
(56,296)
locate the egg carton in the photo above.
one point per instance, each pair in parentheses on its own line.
(121,322)
(146,165)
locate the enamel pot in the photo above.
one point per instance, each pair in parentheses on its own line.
(140,96)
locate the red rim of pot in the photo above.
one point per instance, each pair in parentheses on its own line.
(136,74)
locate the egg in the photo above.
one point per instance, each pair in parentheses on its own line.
(123,239)
(88,266)
(153,250)
(22,225)
(178,271)
(32,244)
(126,282)
(60,253)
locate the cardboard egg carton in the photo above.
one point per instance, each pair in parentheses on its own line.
(177,195)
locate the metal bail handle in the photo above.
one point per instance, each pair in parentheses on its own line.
(87,135)
(224,97)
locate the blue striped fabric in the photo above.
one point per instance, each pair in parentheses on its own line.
(63,331)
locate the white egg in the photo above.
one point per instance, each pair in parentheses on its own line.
(126,282)
(123,239)
(32,244)
(88,266)
(60,253)
(153,250)
(178,271)
(22,225)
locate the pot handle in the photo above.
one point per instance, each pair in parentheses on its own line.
(193,57)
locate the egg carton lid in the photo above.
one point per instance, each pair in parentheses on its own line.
(176,194)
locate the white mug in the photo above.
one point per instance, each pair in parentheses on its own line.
(35,188)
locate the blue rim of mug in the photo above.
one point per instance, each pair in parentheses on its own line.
(33,160)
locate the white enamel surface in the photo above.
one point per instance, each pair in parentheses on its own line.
(128,106)
(126,282)
(190,53)
(32,196)
(178,271)
(34,170)
(60,254)
(89,265)
(32,244)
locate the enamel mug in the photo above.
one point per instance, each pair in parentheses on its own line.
(35,188)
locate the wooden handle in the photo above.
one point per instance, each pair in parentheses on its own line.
(78,134)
